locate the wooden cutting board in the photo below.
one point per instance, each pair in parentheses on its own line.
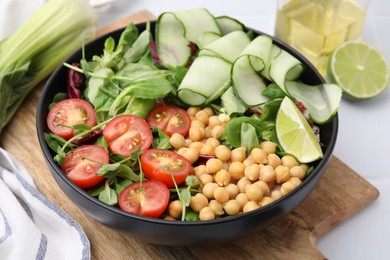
(340,194)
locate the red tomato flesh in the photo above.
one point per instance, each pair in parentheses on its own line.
(150,201)
(170,119)
(159,164)
(82,163)
(125,133)
(68,113)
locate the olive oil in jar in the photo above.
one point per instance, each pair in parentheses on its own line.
(317,27)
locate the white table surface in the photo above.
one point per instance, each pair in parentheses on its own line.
(363,140)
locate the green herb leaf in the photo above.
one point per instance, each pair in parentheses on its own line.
(273,91)
(249,138)
(82,127)
(191,215)
(185,197)
(108,195)
(121,185)
(160,139)
(232,134)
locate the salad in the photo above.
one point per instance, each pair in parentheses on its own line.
(191,122)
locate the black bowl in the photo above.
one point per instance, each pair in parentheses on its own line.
(159,231)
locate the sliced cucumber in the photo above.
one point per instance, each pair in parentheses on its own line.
(172,46)
(228,47)
(274,52)
(228,24)
(207,38)
(209,74)
(246,79)
(284,66)
(247,83)
(206,75)
(260,48)
(196,22)
(230,103)
(176,30)
(322,101)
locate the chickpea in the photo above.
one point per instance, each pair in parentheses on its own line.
(207,133)
(232,207)
(193,110)
(289,161)
(217,207)
(248,161)
(222,153)
(187,142)
(197,145)
(242,198)
(222,177)
(190,154)
(305,167)
(206,178)
(177,141)
(298,171)
(175,209)
(273,160)
(254,192)
(203,116)
(214,142)
(264,186)
(252,172)
(209,111)
(169,218)
(242,183)
(287,187)
(250,205)
(232,189)
(221,194)
(266,200)
(267,173)
(259,155)
(208,189)
(199,170)
(196,133)
(206,214)
(282,174)
(207,149)
(197,123)
(214,121)
(198,202)
(276,193)
(268,146)
(236,170)
(238,154)
(217,131)
(213,165)
(295,180)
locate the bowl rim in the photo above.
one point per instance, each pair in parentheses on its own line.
(274,205)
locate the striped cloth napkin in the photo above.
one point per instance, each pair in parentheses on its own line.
(31,226)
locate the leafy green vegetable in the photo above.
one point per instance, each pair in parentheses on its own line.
(28,56)
(249,138)
(108,195)
(232,134)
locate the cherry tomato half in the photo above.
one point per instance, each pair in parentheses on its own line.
(170,119)
(159,164)
(150,201)
(68,113)
(125,133)
(82,163)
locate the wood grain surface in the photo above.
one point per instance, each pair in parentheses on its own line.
(340,194)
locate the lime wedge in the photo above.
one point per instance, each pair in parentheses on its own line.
(359,69)
(295,135)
